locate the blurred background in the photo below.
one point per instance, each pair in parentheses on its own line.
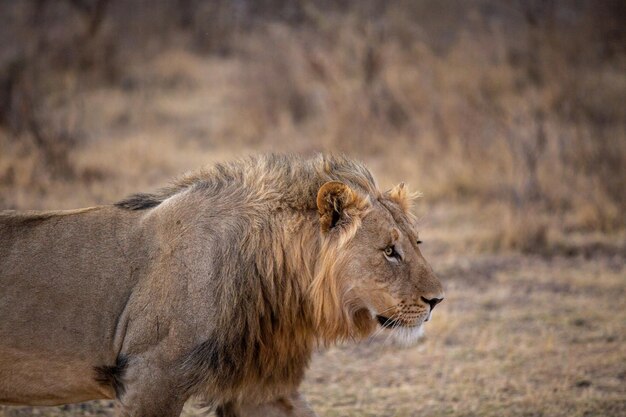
(509,116)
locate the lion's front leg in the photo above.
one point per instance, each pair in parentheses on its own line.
(149,390)
(288,406)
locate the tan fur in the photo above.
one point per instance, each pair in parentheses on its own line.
(218,286)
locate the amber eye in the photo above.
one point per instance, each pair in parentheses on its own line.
(390,251)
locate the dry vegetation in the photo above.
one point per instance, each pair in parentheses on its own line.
(509,116)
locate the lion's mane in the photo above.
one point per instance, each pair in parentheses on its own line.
(273,308)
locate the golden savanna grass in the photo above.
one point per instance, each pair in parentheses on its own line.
(509,117)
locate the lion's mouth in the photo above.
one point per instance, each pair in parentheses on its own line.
(388,322)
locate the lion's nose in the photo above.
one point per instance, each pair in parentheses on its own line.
(432,302)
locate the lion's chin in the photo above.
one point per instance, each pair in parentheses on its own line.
(407,336)
(402,335)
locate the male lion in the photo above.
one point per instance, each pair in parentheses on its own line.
(217,287)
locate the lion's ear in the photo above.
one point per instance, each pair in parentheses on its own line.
(335,201)
(401,195)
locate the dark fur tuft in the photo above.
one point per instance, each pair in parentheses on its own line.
(221,360)
(112,375)
(140,201)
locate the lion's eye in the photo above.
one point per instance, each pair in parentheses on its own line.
(390,251)
(419,242)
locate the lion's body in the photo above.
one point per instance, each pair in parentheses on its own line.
(202,289)
(59,303)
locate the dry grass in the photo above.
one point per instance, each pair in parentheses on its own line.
(510,118)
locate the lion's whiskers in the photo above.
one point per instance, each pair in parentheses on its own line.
(387,309)
(394,325)
(382,328)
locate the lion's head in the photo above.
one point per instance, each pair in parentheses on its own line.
(371,271)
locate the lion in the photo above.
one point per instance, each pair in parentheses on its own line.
(218,287)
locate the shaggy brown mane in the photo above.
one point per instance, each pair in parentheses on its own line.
(293,297)
(273,173)
(291,300)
